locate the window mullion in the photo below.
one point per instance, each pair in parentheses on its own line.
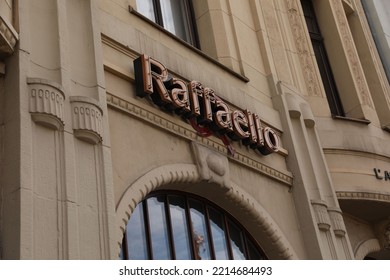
(147,230)
(209,233)
(169,227)
(190,228)
(190,17)
(227,237)
(158,12)
(246,247)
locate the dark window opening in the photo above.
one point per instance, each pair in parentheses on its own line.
(317,41)
(176,16)
(180,226)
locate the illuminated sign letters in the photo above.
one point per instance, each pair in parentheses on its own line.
(201,105)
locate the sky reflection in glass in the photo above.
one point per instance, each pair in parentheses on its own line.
(146,8)
(218,233)
(237,242)
(175,18)
(179,227)
(136,237)
(201,240)
(158,228)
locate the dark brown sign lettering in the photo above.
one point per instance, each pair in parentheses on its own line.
(196,102)
(385,175)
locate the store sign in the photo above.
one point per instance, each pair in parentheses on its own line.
(385,175)
(201,106)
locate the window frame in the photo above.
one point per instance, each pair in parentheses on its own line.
(189,17)
(248,241)
(324,67)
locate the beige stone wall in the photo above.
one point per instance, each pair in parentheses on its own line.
(6,8)
(162,139)
(271,57)
(352,148)
(267,42)
(81,149)
(56,183)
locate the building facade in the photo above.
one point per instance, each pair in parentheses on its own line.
(192,129)
(378,20)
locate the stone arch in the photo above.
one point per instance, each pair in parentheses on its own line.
(160,177)
(367,247)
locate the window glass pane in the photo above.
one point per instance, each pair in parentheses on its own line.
(158,228)
(175,18)
(254,253)
(179,227)
(201,243)
(145,7)
(218,234)
(237,242)
(136,237)
(150,235)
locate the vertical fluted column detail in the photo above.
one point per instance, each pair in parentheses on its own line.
(321,211)
(337,222)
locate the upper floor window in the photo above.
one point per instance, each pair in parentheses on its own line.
(317,41)
(176,225)
(176,16)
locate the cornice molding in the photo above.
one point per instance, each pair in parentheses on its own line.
(364,154)
(190,134)
(363,196)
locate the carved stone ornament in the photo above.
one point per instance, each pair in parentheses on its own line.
(337,221)
(321,211)
(46,103)
(87,119)
(352,55)
(213,167)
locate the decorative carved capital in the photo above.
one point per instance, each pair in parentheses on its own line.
(337,221)
(46,103)
(213,167)
(8,37)
(321,211)
(87,119)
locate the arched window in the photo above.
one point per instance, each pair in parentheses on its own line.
(176,225)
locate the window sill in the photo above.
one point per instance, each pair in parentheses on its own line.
(189,46)
(362,121)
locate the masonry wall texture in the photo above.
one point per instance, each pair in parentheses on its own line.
(79,149)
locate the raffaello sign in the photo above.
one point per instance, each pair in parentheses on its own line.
(202,107)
